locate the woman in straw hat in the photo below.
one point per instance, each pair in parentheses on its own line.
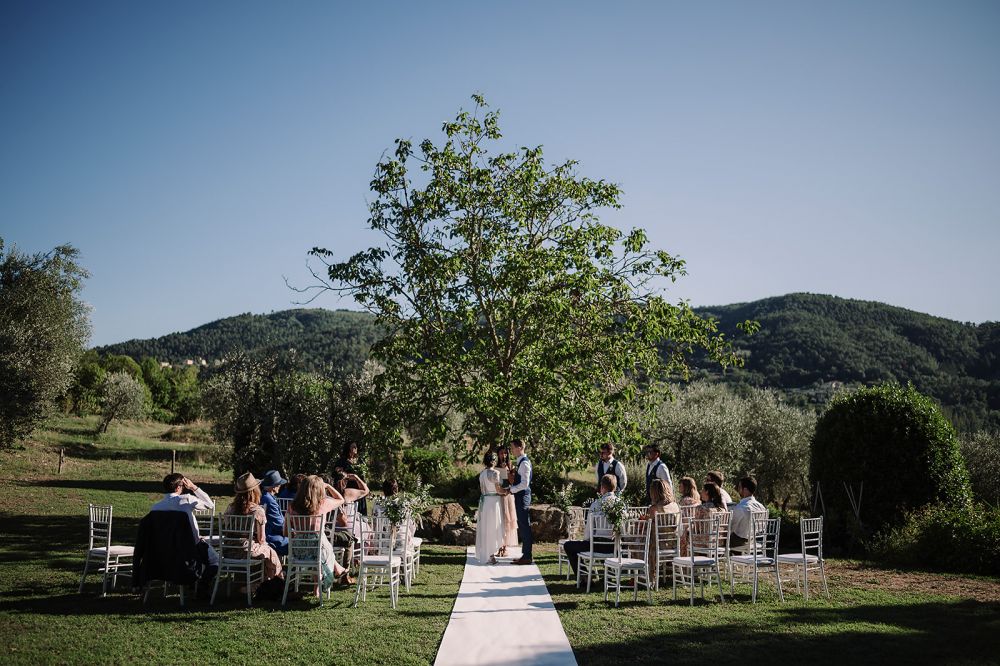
(247,502)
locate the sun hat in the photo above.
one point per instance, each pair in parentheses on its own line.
(272,479)
(245,483)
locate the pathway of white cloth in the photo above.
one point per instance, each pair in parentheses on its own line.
(504,615)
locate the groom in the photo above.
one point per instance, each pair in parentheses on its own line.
(521,488)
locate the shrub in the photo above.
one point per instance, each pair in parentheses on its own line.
(982,458)
(899,444)
(432,466)
(950,538)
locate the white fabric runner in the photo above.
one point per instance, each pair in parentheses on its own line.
(504,615)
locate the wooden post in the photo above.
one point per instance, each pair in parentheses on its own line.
(173,459)
(62,459)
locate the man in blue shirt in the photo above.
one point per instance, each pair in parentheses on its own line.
(274,531)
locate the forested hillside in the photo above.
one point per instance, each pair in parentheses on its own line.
(808,341)
(325,341)
(808,346)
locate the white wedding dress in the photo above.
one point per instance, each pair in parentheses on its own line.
(489,527)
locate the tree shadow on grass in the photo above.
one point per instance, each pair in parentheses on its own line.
(94,451)
(939,632)
(151,487)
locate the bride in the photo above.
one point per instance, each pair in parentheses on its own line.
(489,528)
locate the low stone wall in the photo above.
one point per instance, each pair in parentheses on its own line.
(548,523)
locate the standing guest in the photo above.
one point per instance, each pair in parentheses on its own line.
(351,489)
(290,489)
(247,503)
(348,464)
(506,503)
(520,487)
(317,498)
(575,547)
(689,492)
(609,465)
(739,524)
(656,469)
(176,499)
(270,484)
(716,477)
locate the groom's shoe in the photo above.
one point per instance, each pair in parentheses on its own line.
(522,560)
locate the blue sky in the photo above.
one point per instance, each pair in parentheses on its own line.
(194,152)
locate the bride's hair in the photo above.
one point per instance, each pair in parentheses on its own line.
(490,459)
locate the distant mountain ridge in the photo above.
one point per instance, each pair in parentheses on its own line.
(808,345)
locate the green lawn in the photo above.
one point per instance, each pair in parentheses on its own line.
(861,623)
(42,539)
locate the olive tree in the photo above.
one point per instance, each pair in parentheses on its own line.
(122,397)
(508,302)
(43,328)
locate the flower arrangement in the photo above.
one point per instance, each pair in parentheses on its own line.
(616,511)
(403,506)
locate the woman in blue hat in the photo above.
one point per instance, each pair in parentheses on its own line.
(275,530)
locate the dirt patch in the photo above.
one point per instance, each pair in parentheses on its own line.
(864,576)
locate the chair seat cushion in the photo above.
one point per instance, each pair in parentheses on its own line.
(624,563)
(748,559)
(115,550)
(798,558)
(694,561)
(381,561)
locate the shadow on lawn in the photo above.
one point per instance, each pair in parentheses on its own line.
(153,486)
(961,631)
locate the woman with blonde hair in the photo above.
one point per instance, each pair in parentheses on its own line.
(317,498)
(246,503)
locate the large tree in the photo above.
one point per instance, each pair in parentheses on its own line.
(509,303)
(43,327)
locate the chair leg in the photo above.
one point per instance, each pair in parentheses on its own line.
(215,588)
(805,580)
(182,595)
(86,565)
(361,583)
(822,571)
(777,582)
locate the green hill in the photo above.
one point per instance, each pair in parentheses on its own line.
(325,340)
(808,344)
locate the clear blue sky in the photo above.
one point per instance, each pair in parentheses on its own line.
(195,151)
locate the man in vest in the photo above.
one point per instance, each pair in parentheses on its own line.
(609,465)
(655,469)
(520,487)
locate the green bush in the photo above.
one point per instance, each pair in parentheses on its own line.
(899,444)
(982,458)
(944,537)
(432,465)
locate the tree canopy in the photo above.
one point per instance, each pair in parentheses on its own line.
(508,302)
(43,327)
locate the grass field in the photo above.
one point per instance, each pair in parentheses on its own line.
(874,615)
(42,540)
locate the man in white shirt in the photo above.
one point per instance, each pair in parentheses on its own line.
(717,478)
(574,548)
(739,524)
(521,489)
(609,465)
(176,500)
(655,469)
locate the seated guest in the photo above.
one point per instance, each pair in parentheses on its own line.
(177,500)
(662,500)
(270,484)
(689,492)
(717,478)
(289,490)
(574,548)
(247,503)
(739,524)
(711,503)
(317,498)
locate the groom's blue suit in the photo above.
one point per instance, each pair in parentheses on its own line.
(522,502)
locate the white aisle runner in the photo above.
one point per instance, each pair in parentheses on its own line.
(504,615)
